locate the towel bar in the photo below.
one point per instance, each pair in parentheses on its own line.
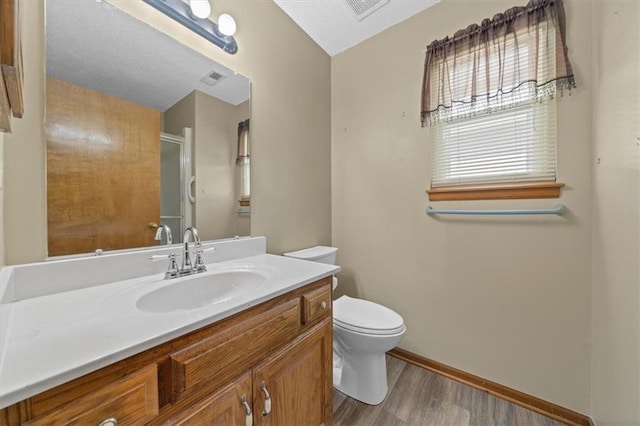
(558,210)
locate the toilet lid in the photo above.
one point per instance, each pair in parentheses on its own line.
(366,317)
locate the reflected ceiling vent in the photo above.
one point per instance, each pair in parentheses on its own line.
(364,8)
(213,78)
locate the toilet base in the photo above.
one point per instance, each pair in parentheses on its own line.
(363,378)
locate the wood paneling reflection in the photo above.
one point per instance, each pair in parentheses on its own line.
(11,78)
(103,171)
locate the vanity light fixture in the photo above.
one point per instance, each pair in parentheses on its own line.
(195,17)
(200,8)
(226,24)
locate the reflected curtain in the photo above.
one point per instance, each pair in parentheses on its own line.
(517,56)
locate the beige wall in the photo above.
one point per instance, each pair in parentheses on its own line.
(616,233)
(181,114)
(290,78)
(506,298)
(25,217)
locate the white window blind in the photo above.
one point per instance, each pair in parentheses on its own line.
(511,145)
(508,137)
(245,178)
(243,160)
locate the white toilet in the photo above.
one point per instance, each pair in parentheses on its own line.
(363,332)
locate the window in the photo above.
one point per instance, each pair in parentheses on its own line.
(512,145)
(489,97)
(243,161)
(245,178)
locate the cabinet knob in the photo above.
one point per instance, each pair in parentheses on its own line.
(111,421)
(323,305)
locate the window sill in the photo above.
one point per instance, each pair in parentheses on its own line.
(496,192)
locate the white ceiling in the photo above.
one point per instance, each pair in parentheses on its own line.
(95,45)
(333,25)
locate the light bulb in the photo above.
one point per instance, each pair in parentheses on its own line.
(200,8)
(226,24)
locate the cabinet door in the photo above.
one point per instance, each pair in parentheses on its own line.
(297,380)
(229,407)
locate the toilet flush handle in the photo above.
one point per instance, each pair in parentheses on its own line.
(267,400)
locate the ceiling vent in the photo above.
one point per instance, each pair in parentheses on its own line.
(213,78)
(363,8)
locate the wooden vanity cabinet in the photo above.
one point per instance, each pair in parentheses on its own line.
(214,375)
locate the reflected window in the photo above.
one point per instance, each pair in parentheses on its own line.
(243,161)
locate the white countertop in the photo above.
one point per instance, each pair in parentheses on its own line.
(49,340)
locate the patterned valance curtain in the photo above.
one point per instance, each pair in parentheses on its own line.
(517,56)
(243,142)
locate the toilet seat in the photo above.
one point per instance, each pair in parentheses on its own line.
(363,316)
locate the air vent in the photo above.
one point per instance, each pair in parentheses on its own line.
(363,8)
(213,78)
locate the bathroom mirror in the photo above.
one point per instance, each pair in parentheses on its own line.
(141,131)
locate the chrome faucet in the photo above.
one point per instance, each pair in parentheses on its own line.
(187,266)
(167,232)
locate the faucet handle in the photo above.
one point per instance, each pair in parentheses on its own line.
(201,250)
(199,264)
(160,257)
(172,270)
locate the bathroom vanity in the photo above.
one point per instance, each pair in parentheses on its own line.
(264,357)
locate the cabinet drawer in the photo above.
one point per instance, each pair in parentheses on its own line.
(316,304)
(130,400)
(225,355)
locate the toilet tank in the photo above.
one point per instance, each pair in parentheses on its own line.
(321,254)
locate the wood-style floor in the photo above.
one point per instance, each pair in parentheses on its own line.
(419,397)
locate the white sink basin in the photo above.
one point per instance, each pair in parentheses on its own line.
(201,290)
